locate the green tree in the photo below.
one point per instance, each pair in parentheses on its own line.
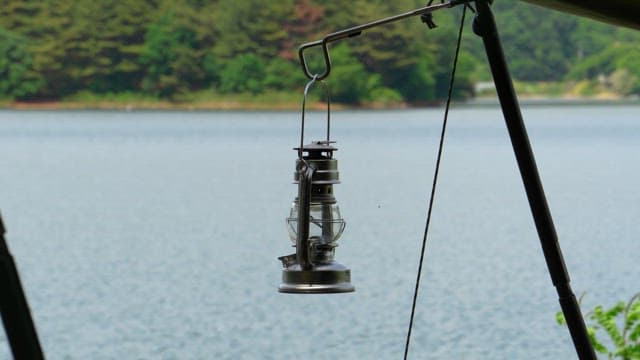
(175,51)
(408,57)
(252,27)
(161,49)
(536,40)
(45,25)
(244,73)
(104,43)
(396,52)
(281,74)
(17,78)
(349,81)
(616,59)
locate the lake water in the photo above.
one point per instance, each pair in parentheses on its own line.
(154,235)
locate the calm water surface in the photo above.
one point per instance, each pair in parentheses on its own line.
(149,235)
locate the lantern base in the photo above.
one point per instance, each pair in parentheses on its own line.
(321,279)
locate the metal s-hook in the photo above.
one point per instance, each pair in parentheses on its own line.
(325,54)
(314,79)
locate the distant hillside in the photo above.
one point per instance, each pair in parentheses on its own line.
(168,49)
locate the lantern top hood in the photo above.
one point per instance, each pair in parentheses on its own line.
(317,148)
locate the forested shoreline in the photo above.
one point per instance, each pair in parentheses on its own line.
(183,51)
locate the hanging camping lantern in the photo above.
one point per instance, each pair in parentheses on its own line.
(315,223)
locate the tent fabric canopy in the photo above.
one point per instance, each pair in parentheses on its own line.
(618,12)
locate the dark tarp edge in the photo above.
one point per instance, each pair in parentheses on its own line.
(617,12)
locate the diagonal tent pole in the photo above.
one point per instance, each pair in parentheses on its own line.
(16,316)
(485,26)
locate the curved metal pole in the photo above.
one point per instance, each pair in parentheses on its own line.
(357,30)
(485,26)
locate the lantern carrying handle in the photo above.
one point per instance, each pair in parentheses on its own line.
(306,172)
(314,79)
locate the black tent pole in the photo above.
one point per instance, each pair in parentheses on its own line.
(16,316)
(485,26)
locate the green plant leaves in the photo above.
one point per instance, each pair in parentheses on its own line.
(621,324)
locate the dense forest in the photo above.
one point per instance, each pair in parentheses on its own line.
(168,49)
